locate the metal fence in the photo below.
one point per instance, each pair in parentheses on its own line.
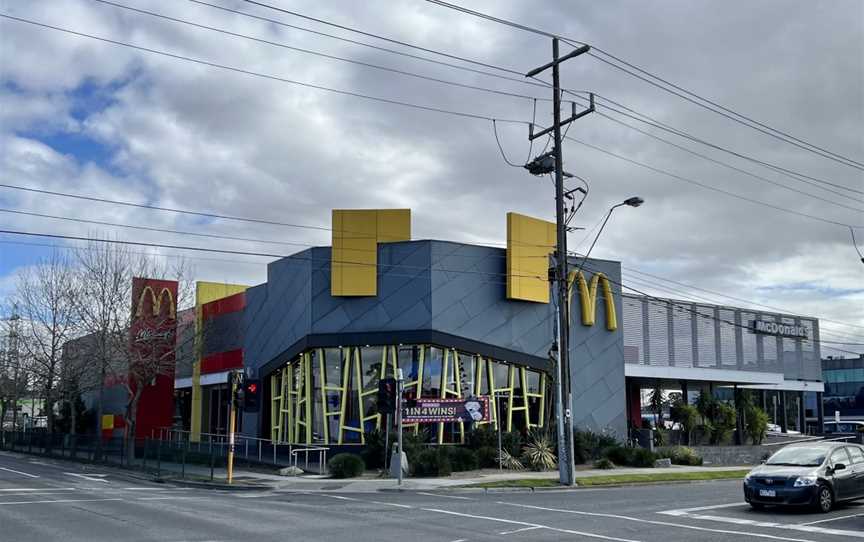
(173,455)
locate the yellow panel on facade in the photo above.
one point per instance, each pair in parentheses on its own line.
(107,421)
(530,241)
(205,292)
(354,254)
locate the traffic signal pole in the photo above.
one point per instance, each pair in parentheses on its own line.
(565,456)
(232,417)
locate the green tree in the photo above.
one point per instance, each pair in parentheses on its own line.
(687,416)
(757,424)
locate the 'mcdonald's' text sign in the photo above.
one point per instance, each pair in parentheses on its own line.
(780,330)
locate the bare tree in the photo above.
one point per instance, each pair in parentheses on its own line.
(116,345)
(46,294)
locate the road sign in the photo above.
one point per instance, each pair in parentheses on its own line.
(433,410)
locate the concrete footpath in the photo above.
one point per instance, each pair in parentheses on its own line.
(372,483)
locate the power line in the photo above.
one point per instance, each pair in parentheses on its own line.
(713,188)
(150,228)
(652,79)
(383,38)
(774,132)
(794,175)
(546,84)
(520,79)
(729,166)
(318,53)
(263,254)
(258,74)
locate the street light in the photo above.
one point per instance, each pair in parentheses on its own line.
(566,426)
(634,201)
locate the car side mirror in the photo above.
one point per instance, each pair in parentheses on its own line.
(839,466)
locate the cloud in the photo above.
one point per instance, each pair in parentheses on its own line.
(178,134)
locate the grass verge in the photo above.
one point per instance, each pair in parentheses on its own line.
(616,479)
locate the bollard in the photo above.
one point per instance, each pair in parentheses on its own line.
(211,464)
(183,464)
(144,459)
(158,459)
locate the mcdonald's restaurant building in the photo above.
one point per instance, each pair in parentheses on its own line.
(465,320)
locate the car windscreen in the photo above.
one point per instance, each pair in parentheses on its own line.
(799,456)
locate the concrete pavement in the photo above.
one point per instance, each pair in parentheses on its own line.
(44,501)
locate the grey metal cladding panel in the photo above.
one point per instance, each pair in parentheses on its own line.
(597,362)
(403,293)
(277,313)
(469,299)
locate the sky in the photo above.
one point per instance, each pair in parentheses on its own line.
(88,117)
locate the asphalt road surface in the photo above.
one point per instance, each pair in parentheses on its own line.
(43,500)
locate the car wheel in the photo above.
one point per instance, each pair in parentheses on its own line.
(824,499)
(757,506)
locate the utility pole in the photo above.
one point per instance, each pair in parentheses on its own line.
(565,456)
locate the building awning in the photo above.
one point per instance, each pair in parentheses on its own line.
(718,376)
(793,385)
(206,380)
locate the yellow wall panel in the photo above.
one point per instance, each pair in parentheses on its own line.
(354,255)
(205,292)
(530,241)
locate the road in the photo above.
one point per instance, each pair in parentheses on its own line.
(43,500)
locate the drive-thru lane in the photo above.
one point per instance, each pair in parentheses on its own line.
(45,500)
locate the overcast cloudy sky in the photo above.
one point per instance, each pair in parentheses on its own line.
(92,118)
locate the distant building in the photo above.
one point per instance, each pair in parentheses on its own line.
(844,386)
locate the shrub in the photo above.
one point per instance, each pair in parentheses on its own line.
(512,442)
(589,445)
(413,444)
(482,436)
(604,464)
(723,423)
(373,453)
(757,423)
(681,455)
(510,462)
(686,415)
(618,455)
(642,457)
(345,466)
(487,456)
(432,462)
(539,452)
(462,459)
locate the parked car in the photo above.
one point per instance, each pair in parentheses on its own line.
(844,428)
(817,474)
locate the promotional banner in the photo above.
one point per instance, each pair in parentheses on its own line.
(153,342)
(433,410)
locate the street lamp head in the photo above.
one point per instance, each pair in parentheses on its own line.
(635,201)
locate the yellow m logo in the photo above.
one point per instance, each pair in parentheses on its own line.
(588,298)
(157,302)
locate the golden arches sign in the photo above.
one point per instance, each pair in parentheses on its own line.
(157,302)
(588,298)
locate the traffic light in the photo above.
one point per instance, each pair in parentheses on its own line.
(387,396)
(251,395)
(235,384)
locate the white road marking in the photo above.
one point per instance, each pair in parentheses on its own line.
(341,498)
(392,504)
(39,489)
(803,527)
(445,496)
(89,477)
(522,530)
(19,472)
(653,522)
(832,519)
(526,524)
(684,511)
(150,488)
(58,501)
